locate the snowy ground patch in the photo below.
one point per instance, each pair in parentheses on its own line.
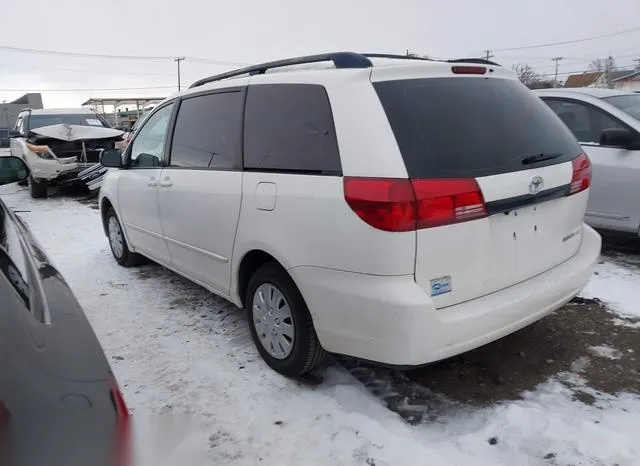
(618,287)
(604,351)
(183,355)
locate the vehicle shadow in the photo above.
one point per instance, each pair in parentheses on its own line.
(623,249)
(580,338)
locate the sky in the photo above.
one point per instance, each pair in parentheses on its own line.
(217,36)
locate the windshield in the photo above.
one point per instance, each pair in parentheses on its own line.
(627,103)
(469,127)
(79,119)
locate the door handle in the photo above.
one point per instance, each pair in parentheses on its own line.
(166,182)
(152,182)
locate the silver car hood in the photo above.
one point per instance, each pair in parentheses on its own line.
(66,132)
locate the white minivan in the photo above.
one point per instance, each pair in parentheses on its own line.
(393,209)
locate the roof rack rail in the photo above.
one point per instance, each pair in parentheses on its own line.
(480,61)
(339,59)
(398,57)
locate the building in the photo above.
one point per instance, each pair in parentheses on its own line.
(628,80)
(9,111)
(122,111)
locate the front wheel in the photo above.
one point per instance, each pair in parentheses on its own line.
(117,242)
(37,189)
(280,323)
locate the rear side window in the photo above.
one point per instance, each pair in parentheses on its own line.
(289,128)
(207,131)
(470,127)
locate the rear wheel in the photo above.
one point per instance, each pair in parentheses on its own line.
(37,189)
(280,323)
(117,242)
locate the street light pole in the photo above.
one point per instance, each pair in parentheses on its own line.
(178,60)
(555,79)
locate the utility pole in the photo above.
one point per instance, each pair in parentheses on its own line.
(488,55)
(555,79)
(178,60)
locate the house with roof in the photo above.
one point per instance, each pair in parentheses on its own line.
(628,80)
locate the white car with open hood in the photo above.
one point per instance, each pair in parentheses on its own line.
(57,144)
(397,210)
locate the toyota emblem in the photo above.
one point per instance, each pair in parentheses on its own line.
(536,184)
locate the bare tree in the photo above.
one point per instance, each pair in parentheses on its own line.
(526,75)
(606,65)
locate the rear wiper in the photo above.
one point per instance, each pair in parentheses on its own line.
(529,159)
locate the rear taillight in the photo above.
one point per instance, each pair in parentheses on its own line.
(392,204)
(443,202)
(123,430)
(581,178)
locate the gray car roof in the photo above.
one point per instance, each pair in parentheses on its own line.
(590,91)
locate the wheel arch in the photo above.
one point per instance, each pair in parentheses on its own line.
(250,262)
(105,205)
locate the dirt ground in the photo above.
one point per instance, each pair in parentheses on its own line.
(580,338)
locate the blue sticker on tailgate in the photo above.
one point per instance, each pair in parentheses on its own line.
(440,285)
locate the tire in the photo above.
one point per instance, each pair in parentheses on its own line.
(305,353)
(38,190)
(119,248)
(23,183)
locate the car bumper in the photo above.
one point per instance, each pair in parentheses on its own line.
(54,169)
(392,320)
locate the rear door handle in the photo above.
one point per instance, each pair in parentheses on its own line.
(152,182)
(166,182)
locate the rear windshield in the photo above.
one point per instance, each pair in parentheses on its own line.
(87,119)
(627,103)
(470,127)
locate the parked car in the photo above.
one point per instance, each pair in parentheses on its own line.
(606,122)
(56,144)
(396,210)
(59,401)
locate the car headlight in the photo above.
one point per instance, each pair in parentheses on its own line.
(41,151)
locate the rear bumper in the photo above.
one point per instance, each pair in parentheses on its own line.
(391,320)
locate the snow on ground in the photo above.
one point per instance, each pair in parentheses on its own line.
(186,357)
(617,286)
(605,351)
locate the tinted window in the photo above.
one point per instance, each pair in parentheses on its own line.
(207,131)
(584,121)
(38,121)
(147,149)
(13,260)
(627,103)
(468,127)
(289,127)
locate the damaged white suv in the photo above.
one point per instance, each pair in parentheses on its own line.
(56,144)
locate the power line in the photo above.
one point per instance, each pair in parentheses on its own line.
(76,70)
(573,41)
(116,57)
(89,89)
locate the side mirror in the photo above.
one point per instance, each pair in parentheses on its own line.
(111,158)
(615,137)
(14,134)
(12,169)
